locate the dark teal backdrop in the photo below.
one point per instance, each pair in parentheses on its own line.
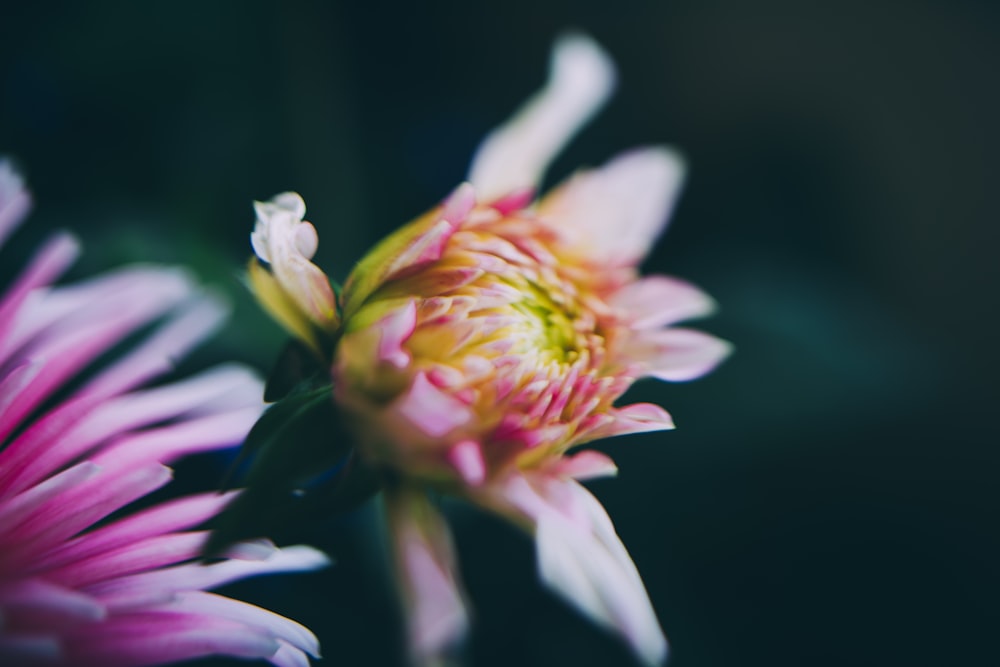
(830,495)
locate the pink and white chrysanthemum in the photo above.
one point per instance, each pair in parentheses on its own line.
(476,346)
(81,582)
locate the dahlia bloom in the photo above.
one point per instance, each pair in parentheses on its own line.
(81,582)
(478,345)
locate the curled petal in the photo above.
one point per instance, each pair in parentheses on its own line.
(286,242)
(425,561)
(514,156)
(622,207)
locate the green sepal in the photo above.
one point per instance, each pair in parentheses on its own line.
(302,464)
(296,370)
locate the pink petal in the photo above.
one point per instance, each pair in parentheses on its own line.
(421,251)
(588,464)
(160,585)
(514,156)
(394,330)
(48,605)
(467,458)
(259,620)
(189,326)
(656,301)
(161,519)
(425,562)
(48,264)
(459,204)
(76,427)
(513,202)
(431,410)
(168,443)
(140,640)
(51,313)
(78,507)
(141,556)
(17,510)
(635,418)
(677,355)
(73,343)
(621,208)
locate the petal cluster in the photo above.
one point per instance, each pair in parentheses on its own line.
(484,340)
(84,581)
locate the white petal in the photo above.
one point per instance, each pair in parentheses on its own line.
(515,155)
(285,241)
(581,557)
(621,208)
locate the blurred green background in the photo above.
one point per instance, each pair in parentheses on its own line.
(830,495)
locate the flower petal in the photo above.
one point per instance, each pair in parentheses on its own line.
(41,603)
(588,464)
(47,265)
(15,201)
(145,639)
(677,355)
(256,618)
(621,208)
(514,156)
(161,585)
(287,242)
(425,562)
(180,514)
(467,459)
(431,410)
(656,301)
(582,558)
(635,418)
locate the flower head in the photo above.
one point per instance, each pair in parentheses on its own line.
(482,342)
(81,584)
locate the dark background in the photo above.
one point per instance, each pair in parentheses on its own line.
(829,497)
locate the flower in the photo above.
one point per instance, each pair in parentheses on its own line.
(479,344)
(80,582)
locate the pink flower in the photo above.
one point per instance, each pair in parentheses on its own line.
(81,583)
(482,342)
